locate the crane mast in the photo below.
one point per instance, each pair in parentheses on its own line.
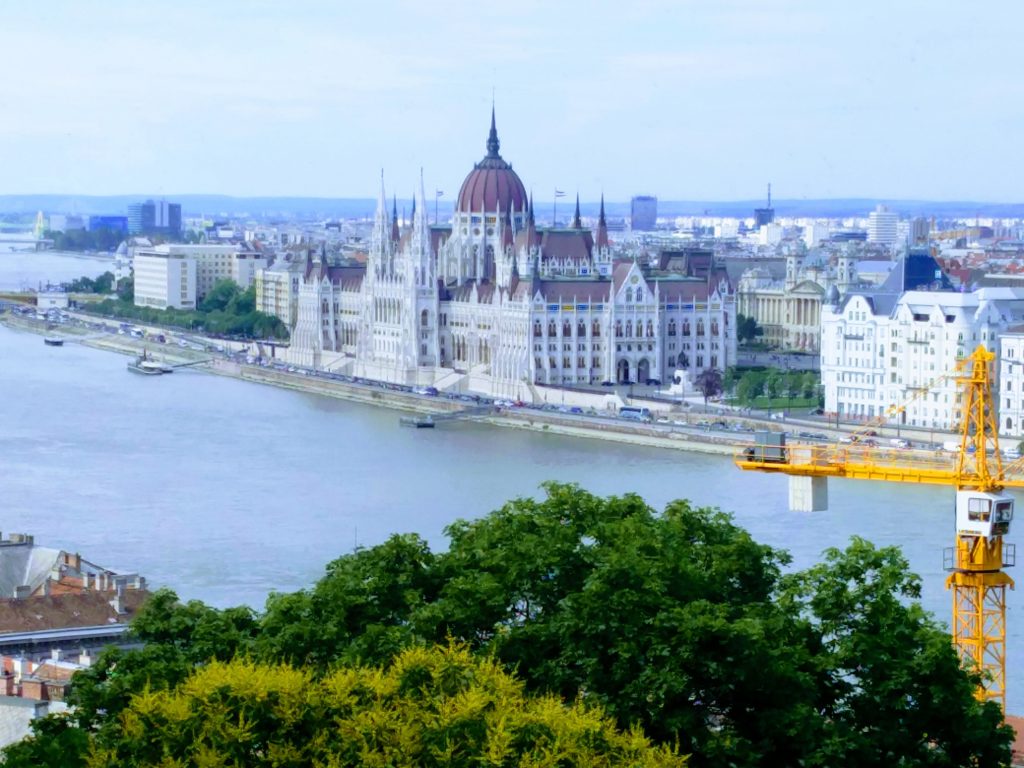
(982,511)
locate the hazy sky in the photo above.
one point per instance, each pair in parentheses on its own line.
(684,99)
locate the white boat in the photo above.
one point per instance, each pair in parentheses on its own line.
(142,364)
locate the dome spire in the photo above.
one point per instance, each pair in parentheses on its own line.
(493,145)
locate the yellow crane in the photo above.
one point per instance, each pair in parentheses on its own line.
(983,512)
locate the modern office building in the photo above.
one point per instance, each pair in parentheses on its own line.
(165,280)
(154,217)
(211,263)
(766,215)
(113,223)
(643,212)
(883,226)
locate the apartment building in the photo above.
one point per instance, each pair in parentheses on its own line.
(883,349)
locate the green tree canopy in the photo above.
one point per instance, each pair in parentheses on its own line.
(676,621)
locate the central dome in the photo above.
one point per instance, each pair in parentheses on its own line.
(492,185)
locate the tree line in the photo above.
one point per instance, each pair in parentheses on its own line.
(572,629)
(750,384)
(226,310)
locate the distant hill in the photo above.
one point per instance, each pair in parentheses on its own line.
(346,208)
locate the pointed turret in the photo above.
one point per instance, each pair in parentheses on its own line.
(576,216)
(395,234)
(493,145)
(602,227)
(380,236)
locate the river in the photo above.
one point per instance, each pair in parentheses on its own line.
(20,269)
(227,490)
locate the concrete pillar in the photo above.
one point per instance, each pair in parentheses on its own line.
(808,494)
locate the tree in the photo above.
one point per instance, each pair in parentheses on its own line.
(809,384)
(772,385)
(894,686)
(430,707)
(362,610)
(747,329)
(126,289)
(220,296)
(709,382)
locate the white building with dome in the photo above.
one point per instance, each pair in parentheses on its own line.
(493,303)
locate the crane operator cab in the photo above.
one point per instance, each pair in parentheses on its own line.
(983,514)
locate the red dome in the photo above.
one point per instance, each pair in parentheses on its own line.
(492,184)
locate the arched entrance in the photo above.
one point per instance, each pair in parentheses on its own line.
(643,371)
(622,371)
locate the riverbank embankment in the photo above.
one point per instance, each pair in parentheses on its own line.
(675,436)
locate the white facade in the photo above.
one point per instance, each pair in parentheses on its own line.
(494,304)
(165,280)
(883,226)
(214,263)
(770,234)
(1011,380)
(815,232)
(879,351)
(789,311)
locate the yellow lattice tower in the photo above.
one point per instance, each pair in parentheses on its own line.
(983,514)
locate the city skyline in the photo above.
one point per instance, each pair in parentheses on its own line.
(684,101)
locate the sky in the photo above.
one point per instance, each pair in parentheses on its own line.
(683,99)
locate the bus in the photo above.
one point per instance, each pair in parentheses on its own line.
(635,413)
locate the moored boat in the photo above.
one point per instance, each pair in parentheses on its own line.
(53,341)
(142,364)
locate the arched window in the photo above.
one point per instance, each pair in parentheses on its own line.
(650,329)
(686,327)
(1009,423)
(700,327)
(581,330)
(672,327)
(595,330)
(424,319)
(639,294)
(423,350)
(552,330)
(618,329)
(538,330)
(566,328)
(629,295)
(714,327)
(629,329)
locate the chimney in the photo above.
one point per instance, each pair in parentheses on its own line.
(57,654)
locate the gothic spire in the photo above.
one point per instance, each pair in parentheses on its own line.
(576,216)
(602,227)
(492,139)
(395,235)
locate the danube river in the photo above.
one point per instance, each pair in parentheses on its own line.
(227,490)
